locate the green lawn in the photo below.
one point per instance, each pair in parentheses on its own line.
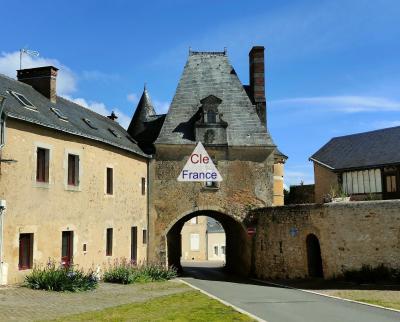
(187,306)
(390,299)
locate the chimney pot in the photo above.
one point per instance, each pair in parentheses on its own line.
(113,116)
(42,79)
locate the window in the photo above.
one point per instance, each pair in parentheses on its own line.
(42,165)
(133,244)
(193,220)
(367,181)
(144,236)
(59,114)
(143,186)
(89,123)
(109,242)
(222,250)
(211,117)
(67,248)
(115,133)
(216,250)
(211,184)
(73,170)
(25,251)
(110,188)
(194,242)
(391,183)
(23,100)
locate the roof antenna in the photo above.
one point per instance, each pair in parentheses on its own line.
(28,52)
(225,50)
(190,50)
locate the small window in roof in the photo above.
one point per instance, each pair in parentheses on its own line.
(89,123)
(60,115)
(115,133)
(23,100)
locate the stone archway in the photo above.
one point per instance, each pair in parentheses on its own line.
(238,243)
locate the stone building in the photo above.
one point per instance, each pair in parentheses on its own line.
(363,166)
(210,105)
(73,181)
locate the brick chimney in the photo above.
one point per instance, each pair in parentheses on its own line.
(42,79)
(257,81)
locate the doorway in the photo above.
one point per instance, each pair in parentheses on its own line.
(67,246)
(314,257)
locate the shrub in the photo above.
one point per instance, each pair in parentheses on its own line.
(369,274)
(125,272)
(54,277)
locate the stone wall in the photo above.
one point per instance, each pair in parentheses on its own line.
(350,234)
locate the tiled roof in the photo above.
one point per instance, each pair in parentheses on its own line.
(362,150)
(107,131)
(205,74)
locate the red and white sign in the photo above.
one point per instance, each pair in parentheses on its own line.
(251,231)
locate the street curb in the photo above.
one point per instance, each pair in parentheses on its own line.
(223,302)
(326,295)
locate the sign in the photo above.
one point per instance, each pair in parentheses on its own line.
(199,167)
(251,231)
(293,231)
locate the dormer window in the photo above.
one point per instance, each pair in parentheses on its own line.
(59,114)
(89,123)
(23,100)
(115,133)
(211,117)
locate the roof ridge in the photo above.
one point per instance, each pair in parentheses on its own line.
(366,132)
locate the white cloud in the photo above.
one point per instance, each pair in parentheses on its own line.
(66,79)
(133,98)
(345,104)
(161,106)
(102,109)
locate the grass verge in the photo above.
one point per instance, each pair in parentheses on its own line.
(187,306)
(390,299)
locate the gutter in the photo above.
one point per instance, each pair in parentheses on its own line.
(2,212)
(321,163)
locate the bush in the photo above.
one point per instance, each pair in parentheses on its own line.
(369,274)
(54,277)
(125,272)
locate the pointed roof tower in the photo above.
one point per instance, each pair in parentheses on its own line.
(145,124)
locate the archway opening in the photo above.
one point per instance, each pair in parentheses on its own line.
(314,257)
(233,251)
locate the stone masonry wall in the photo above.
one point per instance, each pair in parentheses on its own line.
(350,234)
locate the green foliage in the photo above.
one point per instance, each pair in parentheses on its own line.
(369,274)
(125,272)
(54,277)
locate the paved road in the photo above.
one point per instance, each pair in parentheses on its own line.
(275,304)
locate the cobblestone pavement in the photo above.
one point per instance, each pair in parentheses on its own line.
(22,304)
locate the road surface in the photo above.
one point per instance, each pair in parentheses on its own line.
(278,304)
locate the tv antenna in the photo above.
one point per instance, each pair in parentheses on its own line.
(26,51)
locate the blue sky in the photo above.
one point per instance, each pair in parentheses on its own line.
(332,67)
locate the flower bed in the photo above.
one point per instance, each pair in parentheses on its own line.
(125,272)
(53,277)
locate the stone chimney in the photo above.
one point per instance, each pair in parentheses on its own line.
(42,79)
(257,81)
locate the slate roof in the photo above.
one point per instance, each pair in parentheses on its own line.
(210,73)
(146,124)
(75,113)
(214,226)
(362,150)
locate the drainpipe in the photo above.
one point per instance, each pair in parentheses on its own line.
(2,213)
(2,202)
